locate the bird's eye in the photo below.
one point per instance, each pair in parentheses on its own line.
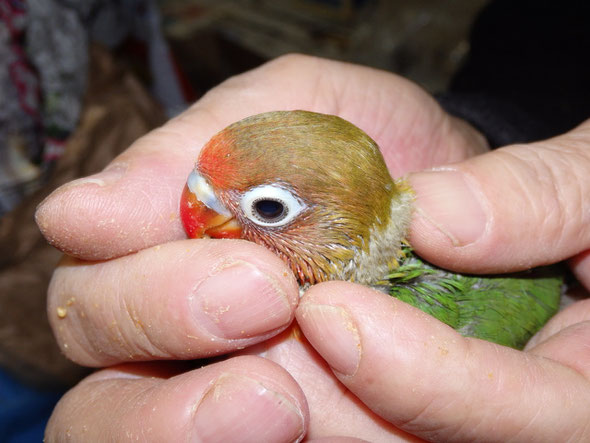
(270,205)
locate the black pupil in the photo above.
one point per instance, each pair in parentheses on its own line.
(269,209)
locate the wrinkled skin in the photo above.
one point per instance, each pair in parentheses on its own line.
(369,366)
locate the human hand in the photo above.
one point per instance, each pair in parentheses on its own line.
(144,295)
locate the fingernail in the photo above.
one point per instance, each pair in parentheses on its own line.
(333,333)
(241,301)
(239,408)
(447,200)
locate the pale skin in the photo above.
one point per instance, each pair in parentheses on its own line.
(369,366)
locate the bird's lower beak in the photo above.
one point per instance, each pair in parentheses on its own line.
(200,221)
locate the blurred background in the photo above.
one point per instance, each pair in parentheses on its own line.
(81,79)
(424,40)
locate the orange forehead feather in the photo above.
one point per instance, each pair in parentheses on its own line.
(215,160)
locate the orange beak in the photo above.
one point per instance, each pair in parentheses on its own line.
(201,221)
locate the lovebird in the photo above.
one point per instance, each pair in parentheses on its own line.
(314,189)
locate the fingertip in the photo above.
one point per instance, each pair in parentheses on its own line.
(334,334)
(249,293)
(92,222)
(240,399)
(507,210)
(130,205)
(277,409)
(452,221)
(445,195)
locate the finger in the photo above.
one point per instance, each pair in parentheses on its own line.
(511,209)
(134,203)
(242,399)
(334,410)
(182,300)
(422,376)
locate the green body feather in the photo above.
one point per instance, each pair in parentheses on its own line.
(505,309)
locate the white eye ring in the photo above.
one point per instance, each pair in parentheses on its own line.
(270,205)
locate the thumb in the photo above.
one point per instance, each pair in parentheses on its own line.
(511,209)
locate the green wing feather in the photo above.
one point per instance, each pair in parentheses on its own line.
(505,309)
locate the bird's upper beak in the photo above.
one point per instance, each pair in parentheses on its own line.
(202,214)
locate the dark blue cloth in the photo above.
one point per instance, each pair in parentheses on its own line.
(24,410)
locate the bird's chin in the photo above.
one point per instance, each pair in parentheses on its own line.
(199,221)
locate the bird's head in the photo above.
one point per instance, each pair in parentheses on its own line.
(313,188)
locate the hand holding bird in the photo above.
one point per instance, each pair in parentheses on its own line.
(138,288)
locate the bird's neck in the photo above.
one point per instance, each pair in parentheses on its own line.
(385,242)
